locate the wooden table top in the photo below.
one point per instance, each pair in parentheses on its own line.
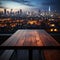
(30,38)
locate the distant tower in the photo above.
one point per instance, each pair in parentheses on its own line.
(20,11)
(39,12)
(49,9)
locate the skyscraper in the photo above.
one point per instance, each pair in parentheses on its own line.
(5,11)
(11,11)
(49,9)
(20,11)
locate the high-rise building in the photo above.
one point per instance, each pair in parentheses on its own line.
(5,11)
(49,9)
(39,12)
(28,13)
(11,11)
(20,11)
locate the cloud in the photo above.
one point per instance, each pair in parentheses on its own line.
(46,3)
(12,5)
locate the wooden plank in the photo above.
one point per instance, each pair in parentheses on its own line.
(6,55)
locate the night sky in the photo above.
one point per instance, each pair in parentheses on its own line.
(35,4)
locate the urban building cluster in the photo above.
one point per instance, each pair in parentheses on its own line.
(34,13)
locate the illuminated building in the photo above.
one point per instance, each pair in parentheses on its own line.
(28,13)
(49,10)
(11,12)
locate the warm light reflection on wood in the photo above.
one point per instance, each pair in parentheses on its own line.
(30,38)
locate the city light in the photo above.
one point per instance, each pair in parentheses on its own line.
(52,25)
(51,30)
(55,30)
(32,22)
